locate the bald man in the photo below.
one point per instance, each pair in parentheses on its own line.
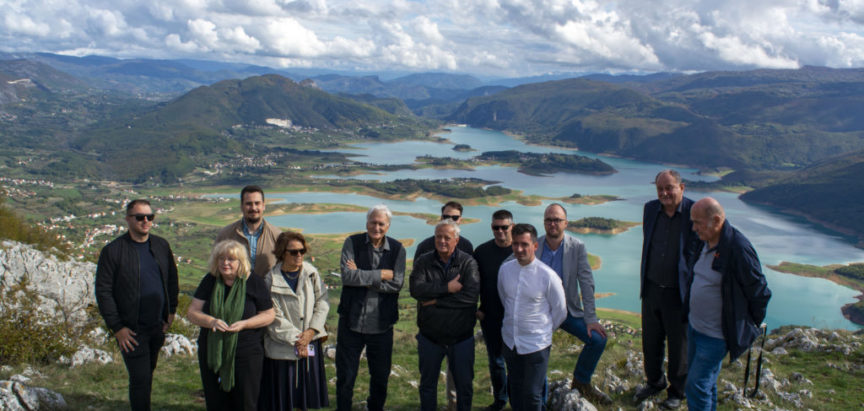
(727,300)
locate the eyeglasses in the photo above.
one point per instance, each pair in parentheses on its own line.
(500,227)
(141,217)
(554,220)
(453,217)
(295,253)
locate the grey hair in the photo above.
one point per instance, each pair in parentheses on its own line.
(380,208)
(675,175)
(448,222)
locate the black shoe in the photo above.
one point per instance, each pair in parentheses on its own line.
(498,405)
(645,392)
(671,403)
(592,394)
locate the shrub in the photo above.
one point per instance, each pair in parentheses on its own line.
(30,333)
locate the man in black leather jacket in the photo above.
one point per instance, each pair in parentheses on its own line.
(446,285)
(136,290)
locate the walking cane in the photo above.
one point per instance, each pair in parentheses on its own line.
(764,333)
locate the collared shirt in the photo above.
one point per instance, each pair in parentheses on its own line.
(664,248)
(370,318)
(554,259)
(534,305)
(253,240)
(706,296)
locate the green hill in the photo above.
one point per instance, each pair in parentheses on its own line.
(226,119)
(763,119)
(830,192)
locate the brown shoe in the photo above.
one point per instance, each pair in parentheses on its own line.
(592,394)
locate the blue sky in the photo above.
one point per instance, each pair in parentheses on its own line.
(483,37)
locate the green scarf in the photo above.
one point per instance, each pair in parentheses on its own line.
(221,347)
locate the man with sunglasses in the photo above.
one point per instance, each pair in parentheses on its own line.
(489,256)
(566,255)
(253,231)
(136,291)
(453,211)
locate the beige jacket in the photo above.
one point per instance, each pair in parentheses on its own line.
(295,312)
(264,259)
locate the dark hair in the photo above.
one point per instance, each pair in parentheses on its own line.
(283,240)
(502,215)
(558,205)
(452,204)
(130,205)
(676,175)
(523,228)
(251,189)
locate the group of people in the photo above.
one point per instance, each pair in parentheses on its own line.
(262,308)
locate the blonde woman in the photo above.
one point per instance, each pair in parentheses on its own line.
(232,308)
(294,367)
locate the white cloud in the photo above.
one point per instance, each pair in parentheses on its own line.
(514,37)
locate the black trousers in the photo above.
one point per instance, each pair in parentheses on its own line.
(527,379)
(664,325)
(247,383)
(379,353)
(140,363)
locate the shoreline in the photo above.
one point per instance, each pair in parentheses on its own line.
(827,272)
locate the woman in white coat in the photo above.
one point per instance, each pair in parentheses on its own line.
(293,376)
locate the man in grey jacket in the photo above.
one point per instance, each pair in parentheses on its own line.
(567,256)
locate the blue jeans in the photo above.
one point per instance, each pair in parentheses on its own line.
(591,352)
(494,348)
(705,355)
(527,383)
(460,357)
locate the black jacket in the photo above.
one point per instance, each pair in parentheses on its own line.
(744,290)
(688,242)
(117,281)
(451,319)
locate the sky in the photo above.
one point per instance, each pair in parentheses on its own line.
(483,37)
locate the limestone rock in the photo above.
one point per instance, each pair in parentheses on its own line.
(63,285)
(86,355)
(16,396)
(178,344)
(561,397)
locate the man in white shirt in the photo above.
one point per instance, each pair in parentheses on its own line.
(534,307)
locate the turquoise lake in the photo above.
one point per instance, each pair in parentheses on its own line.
(776,237)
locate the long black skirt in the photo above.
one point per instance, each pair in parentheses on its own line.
(288,385)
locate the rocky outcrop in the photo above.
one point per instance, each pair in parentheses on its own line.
(177,344)
(66,286)
(16,396)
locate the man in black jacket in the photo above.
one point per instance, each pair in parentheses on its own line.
(489,256)
(136,290)
(728,298)
(668,241)
(446,285)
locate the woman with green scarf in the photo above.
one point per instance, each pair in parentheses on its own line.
(232,308)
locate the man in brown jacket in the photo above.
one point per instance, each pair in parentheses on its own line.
(253,231)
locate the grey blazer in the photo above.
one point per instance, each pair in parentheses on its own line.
(577,278)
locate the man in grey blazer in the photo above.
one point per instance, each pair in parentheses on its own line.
(567,256)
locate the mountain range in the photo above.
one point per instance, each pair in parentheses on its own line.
(794,135)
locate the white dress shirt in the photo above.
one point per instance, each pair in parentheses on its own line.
(534,305)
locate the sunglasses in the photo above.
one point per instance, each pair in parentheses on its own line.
(141,217)
(452,217)
(500,227)
(295,253)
